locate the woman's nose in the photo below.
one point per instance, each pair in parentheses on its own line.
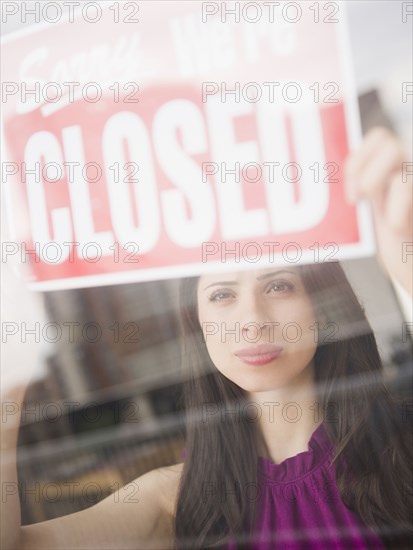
(253,313)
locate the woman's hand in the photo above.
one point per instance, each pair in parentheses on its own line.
(22,351)
(379,171)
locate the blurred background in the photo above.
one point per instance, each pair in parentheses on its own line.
(119,395)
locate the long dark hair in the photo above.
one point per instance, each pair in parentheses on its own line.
(369,431)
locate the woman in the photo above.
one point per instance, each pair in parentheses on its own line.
(270,377)
(331,379)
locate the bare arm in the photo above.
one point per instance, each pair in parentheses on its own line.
(133,517)
(10,517)
(137,516)
(379,171)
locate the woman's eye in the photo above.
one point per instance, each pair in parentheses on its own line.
(220,296)
(279,286)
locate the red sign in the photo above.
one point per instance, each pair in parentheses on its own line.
(181,141)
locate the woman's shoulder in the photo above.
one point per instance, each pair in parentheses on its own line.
(165,481)
(158,489)
(114,522)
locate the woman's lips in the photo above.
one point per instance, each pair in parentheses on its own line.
(259,355)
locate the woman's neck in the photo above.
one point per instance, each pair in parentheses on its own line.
(287,418)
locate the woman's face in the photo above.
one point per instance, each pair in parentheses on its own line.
(259,326)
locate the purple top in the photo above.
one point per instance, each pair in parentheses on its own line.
(299,505)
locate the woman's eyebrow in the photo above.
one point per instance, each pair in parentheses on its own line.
(223,283)
(261,277)
(267,275)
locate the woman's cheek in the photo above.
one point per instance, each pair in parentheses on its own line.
(218,352)
(211,333)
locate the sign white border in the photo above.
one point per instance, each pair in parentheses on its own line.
(366,247)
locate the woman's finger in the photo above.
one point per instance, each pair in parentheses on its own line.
(357,162)
(378,171)
(398,207)
(357,159)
